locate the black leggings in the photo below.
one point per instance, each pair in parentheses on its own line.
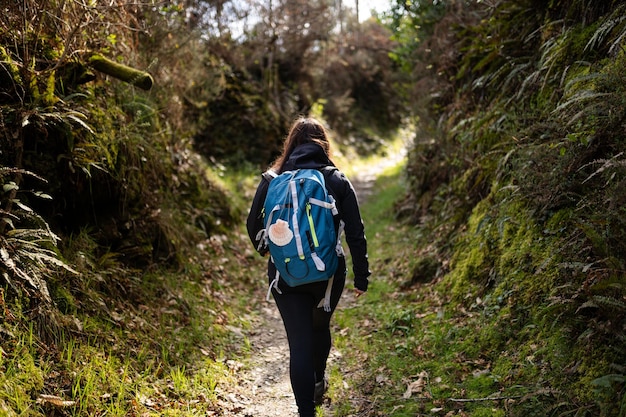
(308,333)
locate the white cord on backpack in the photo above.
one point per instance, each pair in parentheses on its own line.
(325,302)
(273,284)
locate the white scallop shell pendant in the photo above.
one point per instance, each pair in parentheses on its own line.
(279,233)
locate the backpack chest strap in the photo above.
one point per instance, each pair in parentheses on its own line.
(331,206)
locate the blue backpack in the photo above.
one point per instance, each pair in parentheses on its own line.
(299,229)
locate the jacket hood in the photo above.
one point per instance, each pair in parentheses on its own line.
(308,155)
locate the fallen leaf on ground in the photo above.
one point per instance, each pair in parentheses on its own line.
(417,386)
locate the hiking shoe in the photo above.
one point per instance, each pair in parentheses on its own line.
(320,389)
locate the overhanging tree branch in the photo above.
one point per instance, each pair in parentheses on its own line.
(122,72)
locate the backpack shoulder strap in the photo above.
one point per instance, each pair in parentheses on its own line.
(269,175)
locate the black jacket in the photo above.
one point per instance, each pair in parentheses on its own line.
(311,155)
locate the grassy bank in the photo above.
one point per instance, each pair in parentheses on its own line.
(156,342)
(426,343)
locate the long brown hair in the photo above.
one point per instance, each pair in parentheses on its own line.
(303,130)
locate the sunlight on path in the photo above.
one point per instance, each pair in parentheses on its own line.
(363,173)
(363,182)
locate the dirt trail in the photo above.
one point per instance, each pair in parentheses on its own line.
(267,381)
(264,389)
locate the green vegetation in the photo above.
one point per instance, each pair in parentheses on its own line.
(424,343)
(131,136)
(513,199)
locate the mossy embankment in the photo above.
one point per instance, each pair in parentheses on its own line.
(484,332)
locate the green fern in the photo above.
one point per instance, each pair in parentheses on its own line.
(606,164)
(27,243)
(610,303)
(612,29)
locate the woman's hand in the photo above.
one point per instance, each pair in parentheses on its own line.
(358,292)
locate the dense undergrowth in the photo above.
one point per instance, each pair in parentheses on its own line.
(422,342)
(515,185)
(105,206)
(128,341)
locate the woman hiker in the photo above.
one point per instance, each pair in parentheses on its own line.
(307,325)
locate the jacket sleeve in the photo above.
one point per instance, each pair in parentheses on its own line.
(254,222)
(355,232)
